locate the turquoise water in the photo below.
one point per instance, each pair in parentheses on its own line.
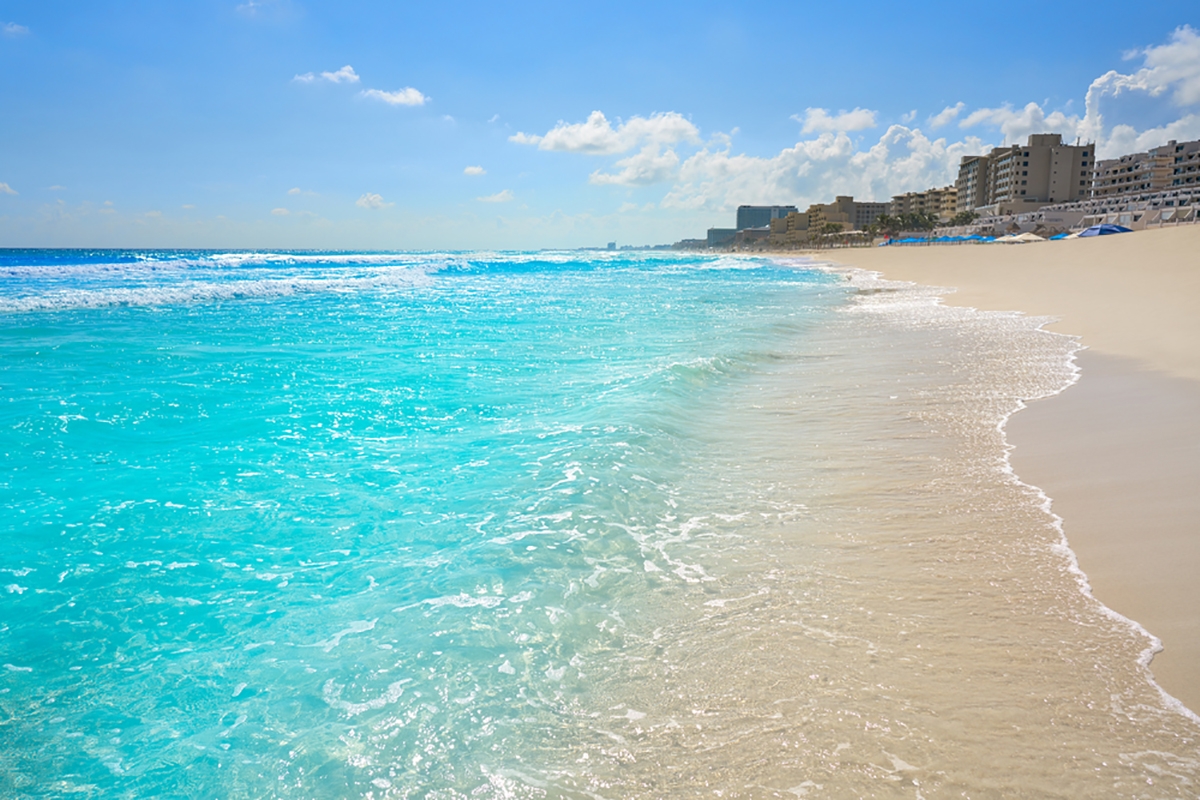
(323,525)
(540,525)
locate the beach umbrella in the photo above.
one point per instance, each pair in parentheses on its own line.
(1028,237)
(1058,236)
(1104,230)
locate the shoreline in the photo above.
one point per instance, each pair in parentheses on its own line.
(1118,452)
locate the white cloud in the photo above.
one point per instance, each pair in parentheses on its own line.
(188,206)
(666,148)
(474,171)
(407,96)
(909,117)
(13,30)
(597,136)
(493,118)
(817,170)
(819,120)
(1170,71)
(280,212)
(946,115)
(1018,125)
(1124,139)
(56,188)
(297,191)
(6,189)
(344,75)
(372,201)
(651,165)
(499,197)
(1173,67)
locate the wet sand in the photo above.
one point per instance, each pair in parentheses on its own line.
(1118,452)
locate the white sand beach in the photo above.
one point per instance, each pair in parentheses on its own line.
(1118,452)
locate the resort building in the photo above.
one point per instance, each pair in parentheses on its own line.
(941,203)
(794,229)
(760,216)
(1022,178)
(852,215)
(1172,164)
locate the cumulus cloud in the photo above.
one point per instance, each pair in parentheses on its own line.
(1170,70)
(597,136)
(499,197)
(474,171)
(407,96)
(280,212)
(296,191)
(816,170)
(946,115)
(344,75)
(372,201)
(6,189)
(819,120)
(1018,125)
(710,175)
(13,30)
(651,165)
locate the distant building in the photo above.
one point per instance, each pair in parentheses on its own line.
(720,237)
(760,216)
(793,230)
(941,203)
(611,246)
(851,214)
(1173,164)
(1021,178)
(751,238)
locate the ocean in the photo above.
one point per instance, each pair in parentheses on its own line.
(540,525)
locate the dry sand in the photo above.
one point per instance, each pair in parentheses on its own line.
(1119,452)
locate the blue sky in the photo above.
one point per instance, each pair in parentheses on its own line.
(289,123)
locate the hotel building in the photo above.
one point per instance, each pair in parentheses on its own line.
(941,203)
(1171,165)
(1025,177)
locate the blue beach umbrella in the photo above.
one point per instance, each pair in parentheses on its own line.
(1104,230)
(1058,236)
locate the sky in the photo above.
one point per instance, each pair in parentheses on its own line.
(383,125)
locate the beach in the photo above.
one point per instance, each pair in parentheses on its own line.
(1118,452)
(553,524)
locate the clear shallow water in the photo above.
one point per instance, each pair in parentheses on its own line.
(529,525)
